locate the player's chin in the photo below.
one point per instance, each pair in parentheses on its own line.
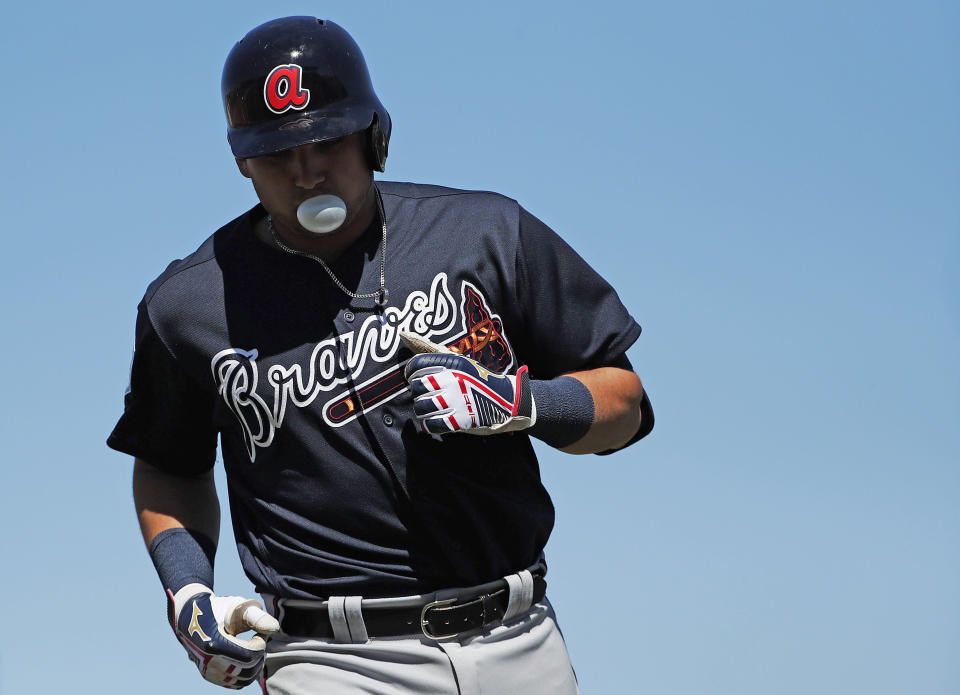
(285,222)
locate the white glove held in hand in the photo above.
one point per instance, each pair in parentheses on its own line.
(207,625)
(453,393)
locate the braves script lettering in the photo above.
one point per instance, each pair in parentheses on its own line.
(333,362)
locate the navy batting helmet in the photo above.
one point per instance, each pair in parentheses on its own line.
(297,80)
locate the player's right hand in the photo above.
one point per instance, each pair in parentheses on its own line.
(207,625)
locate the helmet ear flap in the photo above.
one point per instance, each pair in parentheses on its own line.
(376,145)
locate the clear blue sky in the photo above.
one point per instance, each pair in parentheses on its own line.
(773,187)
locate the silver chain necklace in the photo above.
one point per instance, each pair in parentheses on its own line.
(381,296)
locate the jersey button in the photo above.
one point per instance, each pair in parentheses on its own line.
(348,316)
(388,419)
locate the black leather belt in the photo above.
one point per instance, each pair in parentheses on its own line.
(435,619)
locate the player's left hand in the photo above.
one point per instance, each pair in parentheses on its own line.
(207,625)
(453,393)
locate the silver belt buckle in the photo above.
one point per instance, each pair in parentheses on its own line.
(425,625)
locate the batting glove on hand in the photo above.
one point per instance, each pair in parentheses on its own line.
(453,393)
(207,625)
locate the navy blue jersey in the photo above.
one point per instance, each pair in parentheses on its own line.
(333,488)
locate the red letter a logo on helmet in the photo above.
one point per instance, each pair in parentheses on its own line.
(282,90)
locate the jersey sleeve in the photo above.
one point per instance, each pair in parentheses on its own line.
(168,418)
(574,318)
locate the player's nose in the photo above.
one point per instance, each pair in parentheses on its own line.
(309,166)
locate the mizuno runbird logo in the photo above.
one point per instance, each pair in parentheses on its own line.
(194,627)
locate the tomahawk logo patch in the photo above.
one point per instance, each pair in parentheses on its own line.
(481,338)
(282,89)
(335,362)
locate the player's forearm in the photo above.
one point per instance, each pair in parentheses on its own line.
(165,501)
(617,394)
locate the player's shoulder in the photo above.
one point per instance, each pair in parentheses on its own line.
(443,195)
(182,275)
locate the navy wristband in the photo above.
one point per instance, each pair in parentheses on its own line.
(565,410)
(183,557)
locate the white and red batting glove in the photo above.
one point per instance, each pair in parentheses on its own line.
(207,626)
(453,393)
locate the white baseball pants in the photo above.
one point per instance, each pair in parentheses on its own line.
(525,655)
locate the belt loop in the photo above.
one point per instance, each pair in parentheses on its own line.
(272,604)
(336,611)
(358,629)
(521,594)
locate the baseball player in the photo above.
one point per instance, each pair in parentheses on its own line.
(374,358)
